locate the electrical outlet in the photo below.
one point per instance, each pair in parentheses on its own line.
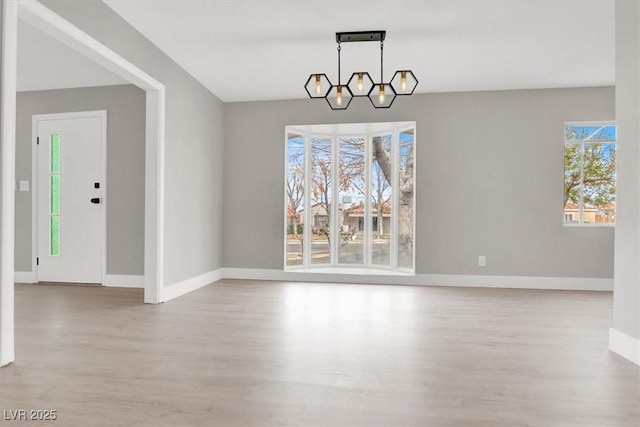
(482,261)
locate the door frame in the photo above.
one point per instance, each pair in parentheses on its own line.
(35,187)
(62,30)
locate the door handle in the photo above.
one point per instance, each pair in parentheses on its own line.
(95,200)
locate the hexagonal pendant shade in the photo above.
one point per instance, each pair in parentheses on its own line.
(360,84)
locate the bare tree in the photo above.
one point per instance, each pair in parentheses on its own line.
(380,195)
(382,156)
(295,195)
(351,174)
(295,191)
(321,181)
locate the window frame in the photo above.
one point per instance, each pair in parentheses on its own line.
(394,129)
(580,222)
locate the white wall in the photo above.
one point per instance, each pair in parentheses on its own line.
(6,295)
(125,106)
(626,319)
(193,142)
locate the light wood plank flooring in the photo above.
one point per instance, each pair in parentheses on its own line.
(249,353)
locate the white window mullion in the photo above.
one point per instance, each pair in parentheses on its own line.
(393,256)
(335,201)
(368,160)
(581,197)
(306,259)
(413,202)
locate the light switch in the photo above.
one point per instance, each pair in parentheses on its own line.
(23,185)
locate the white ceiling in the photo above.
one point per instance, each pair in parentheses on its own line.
(260,50)
(45,63)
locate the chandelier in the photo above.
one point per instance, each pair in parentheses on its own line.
(361,84)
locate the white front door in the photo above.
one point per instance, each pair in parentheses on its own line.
(71,192)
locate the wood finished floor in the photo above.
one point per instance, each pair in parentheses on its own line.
(249,353)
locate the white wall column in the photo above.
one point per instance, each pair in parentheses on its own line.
(625,334)
(7,180)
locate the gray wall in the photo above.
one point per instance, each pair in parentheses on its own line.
(193,142)
(627,264)
(489,180)
(125,107)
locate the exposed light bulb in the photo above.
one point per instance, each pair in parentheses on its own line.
(339,95)
(403,80)
(318,84)
(359,82)
(381,94)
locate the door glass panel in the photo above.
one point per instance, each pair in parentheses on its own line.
(295,199)
(321,199)
(405,198)
(54,222)
(351,200)
(55,154)
(54,196)
(381,192)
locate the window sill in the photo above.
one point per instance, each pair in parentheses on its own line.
(363,271)
(589,225)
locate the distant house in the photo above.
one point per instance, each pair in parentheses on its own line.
(353,218)
(590,214)
(319,216)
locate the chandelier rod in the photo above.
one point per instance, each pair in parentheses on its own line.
(339,48)
(381,60)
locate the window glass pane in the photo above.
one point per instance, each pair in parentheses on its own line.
(321,199)
(572,182)
(599,183)
(295,199)
(405,199)
(341,210)
(351,200)
(54,223)
(381,192)
(589,173)
(55,194)
(55,153)
(589,132)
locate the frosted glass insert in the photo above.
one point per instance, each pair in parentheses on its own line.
(55,195)
(55,235)
(55,153)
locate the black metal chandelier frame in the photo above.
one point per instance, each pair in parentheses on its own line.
(360,84)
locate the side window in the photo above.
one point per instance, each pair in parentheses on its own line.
(589,173)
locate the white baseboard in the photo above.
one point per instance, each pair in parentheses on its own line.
(382,278)
(190,285)
(24,277)
(123,281)
(111,280)
(518,282)
(624,345)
